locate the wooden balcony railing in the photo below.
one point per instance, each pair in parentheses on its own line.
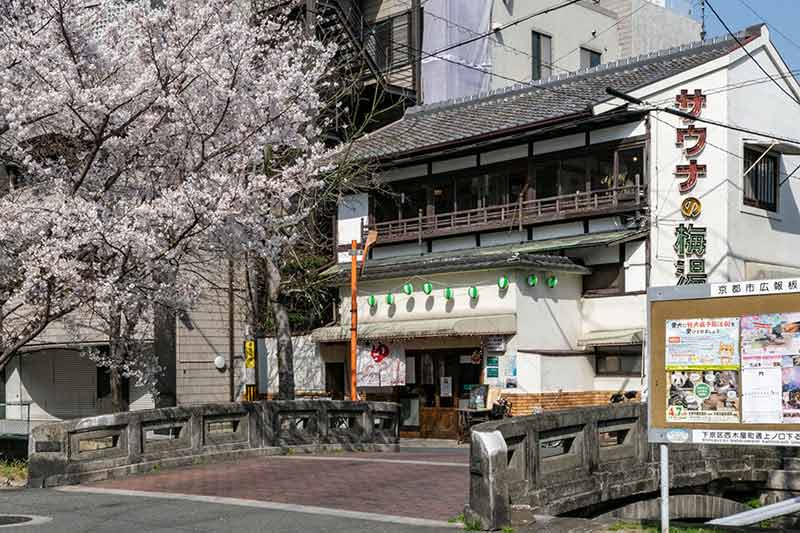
(516,215)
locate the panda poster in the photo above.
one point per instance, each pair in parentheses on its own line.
(707,396)
(380,364)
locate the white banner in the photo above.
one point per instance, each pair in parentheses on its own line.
(746,438)
(756,287)
(380,364)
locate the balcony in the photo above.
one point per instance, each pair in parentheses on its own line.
(517,215)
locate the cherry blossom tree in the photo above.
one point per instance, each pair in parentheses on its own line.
(140,130)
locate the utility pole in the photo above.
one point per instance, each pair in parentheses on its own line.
(702,20)
(353,316)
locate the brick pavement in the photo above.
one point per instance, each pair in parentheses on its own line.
(357,482)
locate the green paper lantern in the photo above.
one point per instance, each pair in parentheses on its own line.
(448,293)
(473,293)
(552,281)
(408,288)
(533,280)
(372,301)
(390,299)
(502,282)
(427,287)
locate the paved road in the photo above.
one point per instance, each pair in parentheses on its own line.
(77,512)
(416,490)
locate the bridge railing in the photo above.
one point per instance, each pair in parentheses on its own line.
(107,446)
(561,461)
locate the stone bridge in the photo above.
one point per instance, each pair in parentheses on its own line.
(110,446)
(596,461)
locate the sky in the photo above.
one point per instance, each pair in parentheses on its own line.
(780,15)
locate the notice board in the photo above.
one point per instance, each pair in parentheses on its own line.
(724,363)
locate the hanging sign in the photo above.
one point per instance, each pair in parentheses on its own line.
(446,387)
(494,343)
(690,240)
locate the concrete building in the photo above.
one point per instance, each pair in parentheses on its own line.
(524,226)
(531,42)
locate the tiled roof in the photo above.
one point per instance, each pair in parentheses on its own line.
(526,106)
(532,254)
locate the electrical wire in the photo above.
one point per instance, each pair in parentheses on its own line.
(746,51)
(508,25)
(778,31)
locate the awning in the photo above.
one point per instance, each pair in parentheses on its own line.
(408,329)
(612,337)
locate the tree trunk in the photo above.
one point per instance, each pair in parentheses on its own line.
(283,331)
(119,402)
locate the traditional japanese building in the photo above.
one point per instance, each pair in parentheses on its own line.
(519,230)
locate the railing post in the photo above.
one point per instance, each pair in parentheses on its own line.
(638,192)
(577,200)
(419,227)
(558,206)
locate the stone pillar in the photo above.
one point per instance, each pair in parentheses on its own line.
(488,488)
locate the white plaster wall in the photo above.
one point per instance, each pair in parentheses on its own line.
(419,306)
(559,143)
(569,27)
(353,211)
(462,242)
(567,373)
(309,365)
(762,238)
(503,237)
(457,163)
(605,224)
(633,129)
(665,198)
(635,266)
(618,383)
(396,250)
(555,231)
(613,312)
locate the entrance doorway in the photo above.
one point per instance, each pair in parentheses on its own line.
(334,380)
(442,383)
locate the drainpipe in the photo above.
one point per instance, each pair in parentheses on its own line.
(231,343)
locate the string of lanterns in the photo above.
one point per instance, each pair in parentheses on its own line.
(427,287)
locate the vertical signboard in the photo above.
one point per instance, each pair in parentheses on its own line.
(724,363)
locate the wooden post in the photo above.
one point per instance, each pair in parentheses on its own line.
(638,192)
(520,212)
(419,227)
(353,316)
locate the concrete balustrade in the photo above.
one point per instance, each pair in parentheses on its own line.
(562,461)
(108,446)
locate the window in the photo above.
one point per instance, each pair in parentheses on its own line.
(589,58)
(389,42)
(542,56)
(618,360)
(761,182)
(605,279)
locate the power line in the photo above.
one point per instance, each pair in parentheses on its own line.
(617,23)
(778,31)
(746,51)
(508,25)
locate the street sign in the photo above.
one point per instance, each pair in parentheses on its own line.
(724,363)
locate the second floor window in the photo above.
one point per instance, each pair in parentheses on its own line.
(542,56)
(589,58)
(389,42)
(761,182)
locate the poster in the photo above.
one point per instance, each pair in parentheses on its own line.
(446,387)
(790,390)
(709,396)
(510,371)
(380,364)
(707,343)
(761,396)
(767,338)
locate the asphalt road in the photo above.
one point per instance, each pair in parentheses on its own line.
(75,512)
